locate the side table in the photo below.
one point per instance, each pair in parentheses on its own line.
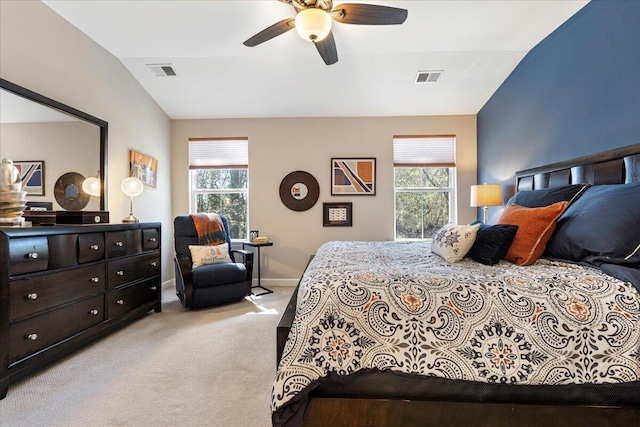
(258,246)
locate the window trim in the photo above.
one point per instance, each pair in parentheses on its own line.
(445,157)
(229,157)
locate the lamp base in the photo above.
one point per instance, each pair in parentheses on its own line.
(130,219)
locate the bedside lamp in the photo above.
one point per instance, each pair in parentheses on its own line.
(484,196)
(132,187)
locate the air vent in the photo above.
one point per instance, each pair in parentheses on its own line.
(428,76)
(162,70)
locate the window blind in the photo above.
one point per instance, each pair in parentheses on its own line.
(218,153)
(424,151)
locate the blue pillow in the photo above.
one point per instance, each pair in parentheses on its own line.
(548,196)
(602,226)
(492,242)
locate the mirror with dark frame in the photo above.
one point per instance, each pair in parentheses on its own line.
(34,128)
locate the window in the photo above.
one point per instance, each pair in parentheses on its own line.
(219,180)
(424,185)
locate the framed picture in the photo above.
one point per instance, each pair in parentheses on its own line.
(143,167)
(32,176)
(336,215)
(353,176)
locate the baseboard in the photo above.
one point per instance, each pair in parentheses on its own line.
(169,286)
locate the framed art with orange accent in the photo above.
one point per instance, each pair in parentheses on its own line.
(143,167)
(353,176)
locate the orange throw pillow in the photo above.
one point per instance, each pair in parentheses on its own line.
(535,227)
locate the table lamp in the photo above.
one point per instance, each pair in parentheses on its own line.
(131,187)
(486,195)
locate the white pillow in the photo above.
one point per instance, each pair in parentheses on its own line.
(203,255)
(452,242)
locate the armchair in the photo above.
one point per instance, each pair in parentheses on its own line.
(211,284)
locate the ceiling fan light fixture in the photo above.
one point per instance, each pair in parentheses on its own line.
(313,24)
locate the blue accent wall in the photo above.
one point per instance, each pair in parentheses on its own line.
(576,93)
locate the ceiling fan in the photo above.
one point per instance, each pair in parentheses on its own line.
(314,17)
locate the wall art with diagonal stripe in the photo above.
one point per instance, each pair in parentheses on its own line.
(353,176)
(32,176)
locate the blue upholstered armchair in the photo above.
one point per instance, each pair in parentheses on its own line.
(211,284)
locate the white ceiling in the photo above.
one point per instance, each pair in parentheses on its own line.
(476,43)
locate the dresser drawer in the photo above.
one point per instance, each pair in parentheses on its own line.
(150,239)
(132,297)
(28,254)
(37,333)
(32,294)
(121,243)
(90,247)
(62,250)
(130,269)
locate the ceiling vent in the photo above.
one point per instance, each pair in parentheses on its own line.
(162,70)
(428,76)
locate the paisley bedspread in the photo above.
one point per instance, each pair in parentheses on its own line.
(397,306)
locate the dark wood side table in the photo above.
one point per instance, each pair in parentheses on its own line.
(258,246)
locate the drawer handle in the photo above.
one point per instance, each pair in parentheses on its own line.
(154,288)
(32,337)
(95,279)
(120,302)
(94,312)
(152,239)
(154,264)
(120,244)
(32,296)
(94,247)
(120,273)
(32,255)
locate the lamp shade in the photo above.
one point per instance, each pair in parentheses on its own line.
(131,186)
(91,186)
(486,195)
(313,24)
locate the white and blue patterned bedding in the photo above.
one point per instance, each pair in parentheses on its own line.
(396,306)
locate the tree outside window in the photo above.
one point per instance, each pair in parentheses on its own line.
(422,201)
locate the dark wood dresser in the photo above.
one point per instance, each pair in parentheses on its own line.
(65,286)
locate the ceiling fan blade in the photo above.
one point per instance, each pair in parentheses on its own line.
(368,14)
(271,32)
(327,49)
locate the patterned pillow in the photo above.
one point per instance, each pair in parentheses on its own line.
(452,242)
(535,227)
(203,255)
(492,242)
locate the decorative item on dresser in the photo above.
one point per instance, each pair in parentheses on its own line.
(63,287)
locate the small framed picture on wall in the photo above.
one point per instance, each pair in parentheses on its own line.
(337,215)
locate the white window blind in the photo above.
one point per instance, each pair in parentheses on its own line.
(218,153)
(424,151)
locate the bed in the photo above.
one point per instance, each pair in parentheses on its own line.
(391,333)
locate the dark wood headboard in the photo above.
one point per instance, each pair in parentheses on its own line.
(619,166)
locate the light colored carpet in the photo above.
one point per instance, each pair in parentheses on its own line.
(209,367)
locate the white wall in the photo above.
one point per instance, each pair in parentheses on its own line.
(280,146)
(41,51)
